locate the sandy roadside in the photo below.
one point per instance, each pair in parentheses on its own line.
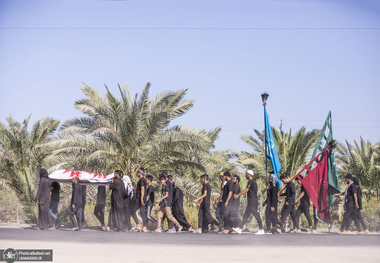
(95,252)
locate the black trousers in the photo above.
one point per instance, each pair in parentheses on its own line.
(360,218)
(148,212)
(205,218)
(230,217)
(315,219)
(99,213)
(77,212)
(84,204)
(305,209)
(271,218)
(179,215)
(137,206)
(252,208)
(286,210)
(350,212)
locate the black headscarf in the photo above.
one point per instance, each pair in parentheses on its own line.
(43,173)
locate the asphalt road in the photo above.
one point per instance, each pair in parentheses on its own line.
(189,239)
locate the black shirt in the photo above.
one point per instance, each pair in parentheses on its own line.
(76,197)
(170,190)
(305,200)
(252,192)
(150,193)
(359,195)
(290,193)
(229,187)
(101,198)
(272,198)
(141,183)
(164,203)
(237,200)
(350,195)
(84,190)
(206,200)
(55,191)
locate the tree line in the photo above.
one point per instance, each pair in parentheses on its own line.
(127,132)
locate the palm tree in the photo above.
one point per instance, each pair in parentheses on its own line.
(128,133)
(293,151)
(22,154)
(361,160)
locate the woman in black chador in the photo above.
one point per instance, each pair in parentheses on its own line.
(43,199)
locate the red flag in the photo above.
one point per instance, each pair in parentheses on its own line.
(316,186)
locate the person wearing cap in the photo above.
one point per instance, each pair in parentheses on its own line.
(252,205)
(351,206)
(141,195)
(304,207)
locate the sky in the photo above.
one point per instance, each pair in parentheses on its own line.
(310,56)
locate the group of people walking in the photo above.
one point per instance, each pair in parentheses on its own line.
(129,200)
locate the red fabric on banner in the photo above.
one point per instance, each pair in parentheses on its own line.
(316,186)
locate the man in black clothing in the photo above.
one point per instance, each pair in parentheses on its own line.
(271,206)
(141,194)
(351,205)
(360,210)
(204,215)
(252,206)
(116,217)
(236,181)
(170,187)
(177,205)
(128,195)
(84,190)
(165,207)
(150,199)
(219,204)
(53,207)
(76,205)
(290,200)
(100,205)
(231,219)
(304,208)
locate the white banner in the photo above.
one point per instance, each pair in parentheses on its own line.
(85,178)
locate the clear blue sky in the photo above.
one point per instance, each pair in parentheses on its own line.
(310,56)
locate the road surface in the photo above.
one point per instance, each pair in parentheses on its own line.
(91,245)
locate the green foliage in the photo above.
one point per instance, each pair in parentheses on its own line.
(293,151)
(371,213)
(23,153)
(363,161)
(132,133)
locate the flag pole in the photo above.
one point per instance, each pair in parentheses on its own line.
(264,98)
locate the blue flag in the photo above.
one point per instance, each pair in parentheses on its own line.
(270,148)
